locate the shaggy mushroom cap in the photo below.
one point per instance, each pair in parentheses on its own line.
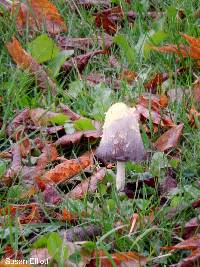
(121,139)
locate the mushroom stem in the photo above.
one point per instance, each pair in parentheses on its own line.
(120,177)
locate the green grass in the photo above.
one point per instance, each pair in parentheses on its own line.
(18,90)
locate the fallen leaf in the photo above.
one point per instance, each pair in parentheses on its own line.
(192,260)
(15,166)
(67,111)
(81,233)
(66,43)
(20,120)
(193,116)
(87,4)
(169,139)
(64,171)
(51,195)
(26,62)
(196,89)
(88,185)
(109,18)
(192,243)
(128,75)
(193,50)
(128,259)
(38,14)
(80,62)
(49,154)
(96,78)
(42,117)
(156,82)
(167,184)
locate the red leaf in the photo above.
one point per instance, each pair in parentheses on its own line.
(157,81)
(170,138)
(80,62)
(36,14)
(49,153)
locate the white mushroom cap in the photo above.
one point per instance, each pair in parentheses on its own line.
(121,139)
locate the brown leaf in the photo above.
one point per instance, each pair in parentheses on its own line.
(64,171)
(75,138)
(81,233)
(156,82)
(128,259)
(88,185)
(51,195)
(193,260)
(80,62)
(192,243)
(96,78)
(38,14)
(170,138)
(15,166)
(26,62)
(128,75)
(108,19)
(20,120)
(193,115)
(67,111)
(167,184)
(196,88)
(42,117)
(49,153)
(87,4)
(189,229)
(83,44)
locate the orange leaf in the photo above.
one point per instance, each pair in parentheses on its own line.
(192,40)
(36,14)
(128,259)
(163,101)
(87,185)
(7,263)
(193,114)
(67,169)
(192,243)
(128,75)
(170,138)
(157,81)
(26,62)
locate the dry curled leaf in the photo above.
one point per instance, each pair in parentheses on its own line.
(49,153)
(88,185)
(156,82)
(193,50)
(80,62)
(26,62)
(193,116)
(128,259)
(64,171)
(170,138)
(18,121)
(38,14)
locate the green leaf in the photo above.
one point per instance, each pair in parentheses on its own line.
(43,48)
(102,96)
(3,167)
(75,88)
(159,162)
(155,39)
(56,248)
(60,119)
(128,51)
(41,242)
(84,125)
(57,62)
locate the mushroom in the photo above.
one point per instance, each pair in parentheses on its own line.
(121,140)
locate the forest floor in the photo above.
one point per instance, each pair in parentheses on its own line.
(60,71)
